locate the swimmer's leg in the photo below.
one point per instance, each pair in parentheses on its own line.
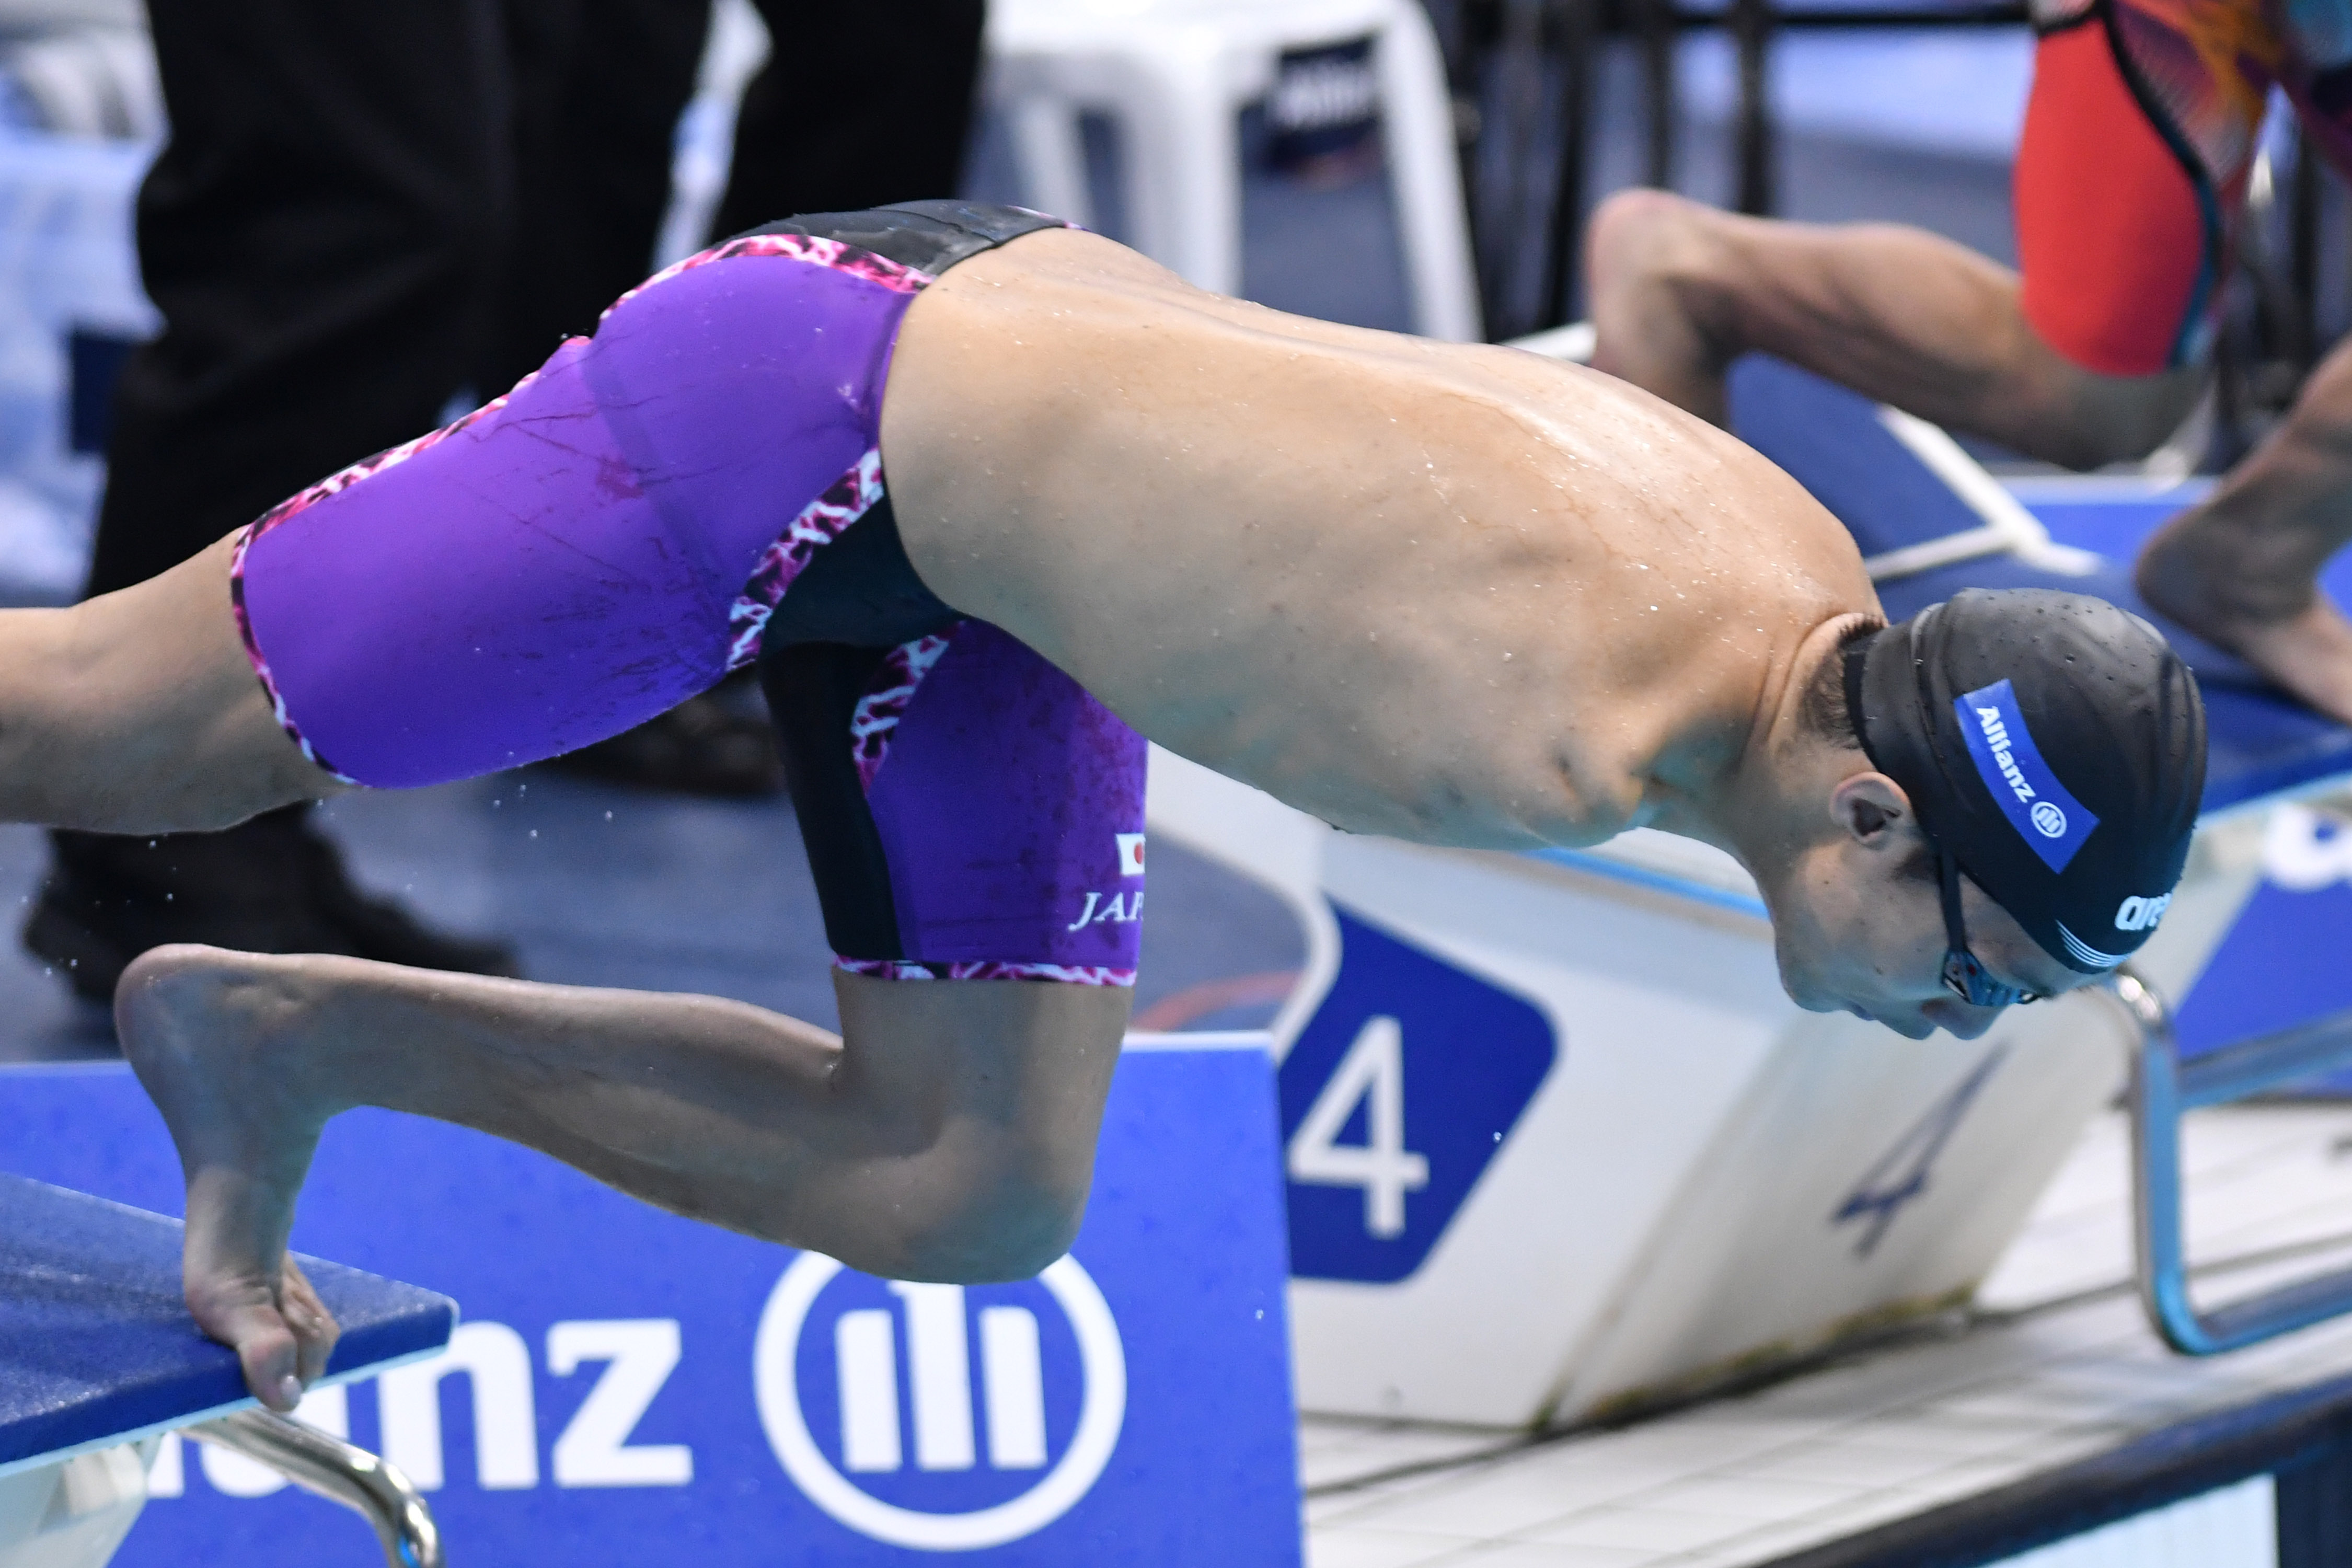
(2243,567)
(1680,291)
(948,1134)
(138,711)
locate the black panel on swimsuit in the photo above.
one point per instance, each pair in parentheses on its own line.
(861,590)
(930,237)
(812,690)
(857,598)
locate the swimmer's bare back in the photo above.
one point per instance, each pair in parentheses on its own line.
(1447,592)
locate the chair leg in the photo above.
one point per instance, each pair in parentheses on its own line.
(1417,131)
(1052,151)
(1183,162)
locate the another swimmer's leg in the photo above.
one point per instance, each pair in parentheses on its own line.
(949,1136)
(2243,568)
(138,711)
(1680,291)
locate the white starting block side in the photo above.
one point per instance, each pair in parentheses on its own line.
(2049,1429)
(1558,1144)
(74,1513)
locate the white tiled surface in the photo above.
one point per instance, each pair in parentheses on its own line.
(2059,1367)
(2232,1528)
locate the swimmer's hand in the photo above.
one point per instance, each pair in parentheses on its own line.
(208,1033)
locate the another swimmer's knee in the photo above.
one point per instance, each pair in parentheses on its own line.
(2083,419)
(2123,435)
(1654,234)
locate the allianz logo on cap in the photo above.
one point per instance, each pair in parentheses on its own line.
(2052,823)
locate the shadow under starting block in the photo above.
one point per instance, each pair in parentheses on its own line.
(98,1355)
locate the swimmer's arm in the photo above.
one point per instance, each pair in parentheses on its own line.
(138,711)
(1907,317)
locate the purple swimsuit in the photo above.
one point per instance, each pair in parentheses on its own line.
(643,515)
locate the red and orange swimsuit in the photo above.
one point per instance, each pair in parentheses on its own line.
(2140,138)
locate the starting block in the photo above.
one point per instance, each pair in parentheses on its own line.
(634,1387)
(101,1364)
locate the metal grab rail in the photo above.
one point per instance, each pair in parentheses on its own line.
(339,1472)
(2164,1089)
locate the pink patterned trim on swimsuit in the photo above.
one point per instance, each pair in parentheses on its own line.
(884,702)
(915,969)
(260,665)
(812,249)
(821,523)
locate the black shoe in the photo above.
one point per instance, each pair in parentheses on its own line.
(270,885)
(702,746)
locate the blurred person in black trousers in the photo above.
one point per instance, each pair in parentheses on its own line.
(364,210)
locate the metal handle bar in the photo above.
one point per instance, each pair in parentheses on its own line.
(2164,1089)
(339,1472)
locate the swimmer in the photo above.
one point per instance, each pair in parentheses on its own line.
(1457,595)
(2139,140)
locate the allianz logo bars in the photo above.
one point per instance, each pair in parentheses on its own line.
(1038,1461)
(866,1361)
(630,1387)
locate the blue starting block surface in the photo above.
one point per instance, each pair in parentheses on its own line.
(1894,489)
(96,1347)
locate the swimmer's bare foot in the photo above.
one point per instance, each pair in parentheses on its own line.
(207,1032)
(2242,587)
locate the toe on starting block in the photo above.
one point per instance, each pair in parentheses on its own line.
(100,1359)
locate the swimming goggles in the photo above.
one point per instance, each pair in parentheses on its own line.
(1964,974)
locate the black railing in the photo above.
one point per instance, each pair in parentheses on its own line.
(1545,51)
(1529,151)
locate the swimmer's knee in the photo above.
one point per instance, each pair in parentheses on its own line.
(1008,1228)
(2082,420)
(994,1201)
(1663,278)
(1643,236)
(2122,426)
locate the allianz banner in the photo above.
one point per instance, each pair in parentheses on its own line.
(630,1387)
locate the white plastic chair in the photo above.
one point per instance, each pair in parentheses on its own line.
(1175,74)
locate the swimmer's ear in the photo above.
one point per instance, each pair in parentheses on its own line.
(1872,809)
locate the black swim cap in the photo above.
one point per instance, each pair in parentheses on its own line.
(2055,745)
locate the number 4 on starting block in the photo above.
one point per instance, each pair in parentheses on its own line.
(1395,1097)
(1370,1076)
